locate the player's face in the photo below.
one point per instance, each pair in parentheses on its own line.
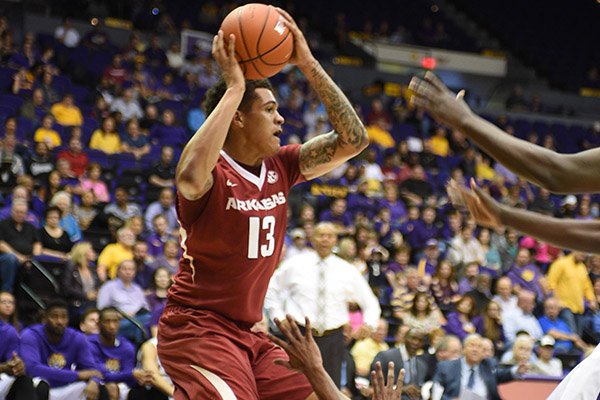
(262,124)
(109,324)
(57,320)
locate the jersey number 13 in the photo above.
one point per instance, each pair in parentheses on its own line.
(255,231)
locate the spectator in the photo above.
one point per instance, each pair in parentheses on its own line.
(50,351)
(8,310)
(444,286)
(522,319)
(521,354)
(161,281)
(481,293)
(85,212)
(365,350)
(516,101)
(438,143)
(91,182)
(136,224)
(469,281)
(74,154)
(492,326)
(48,86)
(471,372)
(393,203)
(570,283)
(504,296)
(416,189)
(80,281)
(89,322)
(116,72)
(169,258)
(55,241)
(298,246)
(20,193)
(14,382)
(143,263)
(66,112)
(196,117)
(124,294)
(526,276)
(122,208)
(134,141)
(11,164)
(115,356)
(465,249)
(546,364)
(159,236)
(422,317)
(41,162)
(97,38)
(465,320)
(165,206)
(115,253)
(492,262)
(19,242)
(67,34)
(128,105)
(405,292)
(62,200)
(163,171)
(106,138)
(339,216)
(174,58)
(35,108)
(168,132)
(154,54)
(551,324)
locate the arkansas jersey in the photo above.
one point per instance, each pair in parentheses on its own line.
(231,238)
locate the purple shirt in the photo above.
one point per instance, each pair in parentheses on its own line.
(9,342)
(344,219)
(528,278)
(454,326)
(397,209)
(116,362)
(52,362)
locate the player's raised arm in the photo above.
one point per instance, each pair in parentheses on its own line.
(559,173)
(193,177)
(325,152)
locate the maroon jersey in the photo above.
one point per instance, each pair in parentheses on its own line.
(231,238)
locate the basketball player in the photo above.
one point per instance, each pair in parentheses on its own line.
(232,182)
(562,173)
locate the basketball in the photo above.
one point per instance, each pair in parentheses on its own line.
(263,44)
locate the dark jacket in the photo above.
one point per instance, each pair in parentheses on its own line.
(72,285)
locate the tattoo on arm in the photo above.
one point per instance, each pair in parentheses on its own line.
(347,125)
(317,151)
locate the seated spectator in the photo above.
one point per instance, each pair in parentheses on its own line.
(481,293)
(169,257)
(469,281)
(22,84)
(115,253)
(136,224)
(431,254)
(116,73)
(421,316)
(89,322)
(161,281)
(122,209)
(527,276)
(465,249)
(66,112)
(174,58)
(115,356)
(77,158)
(134,142)
(405,290)
(85,212)
(504,296)
(165,206)
(127,105)
(92,182)
(55,241)
(46,134)
(35,108)
(80,281)
(14,381)
(62,200)
(167,132)
(48,86)
(11,164)
(19,242)
(196,117)
(41,162)
(163,171)
(364,351)
(444,286)
(150,118)
(20,193)
(492,262)
(8,310)
(492,326)
(338,215)
(66,34)
(154,54)
(143,262)
(465,320)
(361,202)
(51,351)
(551,324)
(162,387)
(124,294)
(393,203)
(438,143)
(159,236)
(106,138)
(521,353)
(546,364)
(522,319)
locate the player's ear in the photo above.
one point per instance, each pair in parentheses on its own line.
(238,119)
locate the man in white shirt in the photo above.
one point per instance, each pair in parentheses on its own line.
(66,34)
(505,297)
(522,319)
(319,286)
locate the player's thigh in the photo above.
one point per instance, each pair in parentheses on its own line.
(210,365)
(6,383)
(275,382)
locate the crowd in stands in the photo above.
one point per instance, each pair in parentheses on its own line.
(87,183)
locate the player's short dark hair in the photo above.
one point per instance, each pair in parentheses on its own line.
(215,93)
(107,309)
(56,303)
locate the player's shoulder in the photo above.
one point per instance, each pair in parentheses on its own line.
(7,331)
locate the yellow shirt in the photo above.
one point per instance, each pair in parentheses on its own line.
(113,255)
(364,351)
(570,282)
(48,136)
(439,146)
(109,143)
(380,136)
(67,116)
(484,171)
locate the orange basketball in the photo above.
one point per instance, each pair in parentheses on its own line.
(263,44)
